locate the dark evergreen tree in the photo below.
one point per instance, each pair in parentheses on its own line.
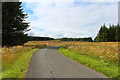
(97,38)
(13,25)
(117,37)
(110,34)
(0,23)
(102,36)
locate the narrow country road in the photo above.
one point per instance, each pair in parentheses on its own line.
(50,63)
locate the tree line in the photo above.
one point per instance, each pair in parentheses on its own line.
(89,39)
(108,34)
(33,38)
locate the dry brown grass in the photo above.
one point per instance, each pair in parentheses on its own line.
(11,54)
(104,51)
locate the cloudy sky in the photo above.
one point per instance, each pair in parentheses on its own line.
(69,18)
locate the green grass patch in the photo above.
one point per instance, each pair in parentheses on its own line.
(107,69)
(19,67)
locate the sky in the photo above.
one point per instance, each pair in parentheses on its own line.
(69,18)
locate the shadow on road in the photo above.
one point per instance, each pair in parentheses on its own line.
(53,47)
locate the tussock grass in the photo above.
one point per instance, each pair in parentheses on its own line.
(15,61)
(100,56)
(107,69)
(104,51)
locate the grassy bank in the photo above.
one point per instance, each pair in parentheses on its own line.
(107,69)
(15,61)
(100,56)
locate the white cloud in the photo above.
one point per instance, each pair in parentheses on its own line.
(69,0)
(68,19)
(97,0)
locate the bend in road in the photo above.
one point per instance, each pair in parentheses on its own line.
(50,63)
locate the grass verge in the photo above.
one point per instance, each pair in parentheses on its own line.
(19,67)
(99,66)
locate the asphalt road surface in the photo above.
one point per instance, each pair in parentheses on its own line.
(50,63)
